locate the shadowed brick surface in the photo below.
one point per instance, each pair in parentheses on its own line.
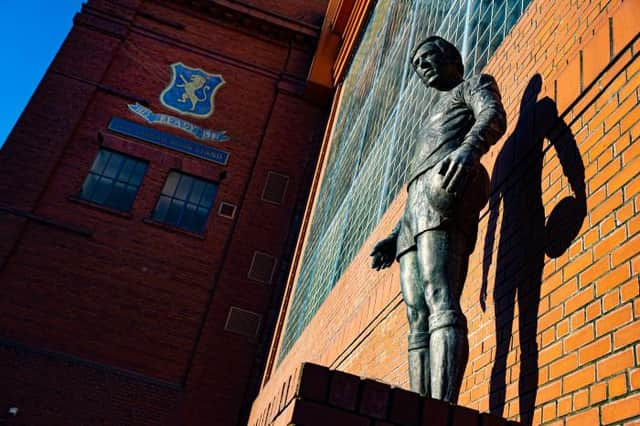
(119,320)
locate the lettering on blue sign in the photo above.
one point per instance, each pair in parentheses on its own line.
(178,123)
(176,143)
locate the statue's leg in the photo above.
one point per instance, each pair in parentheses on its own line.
(443,265)
(417,314)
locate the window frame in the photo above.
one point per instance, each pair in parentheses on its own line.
(200,233)
(79,196)
(284,189)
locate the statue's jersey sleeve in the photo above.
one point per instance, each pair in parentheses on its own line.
(481,94)
(470,113)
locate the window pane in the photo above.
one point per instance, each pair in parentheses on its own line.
(100,162)
(209,195)
(190,220)
(514,15)
(497,28)
(495,42)
(103,188)
(106,183)
(483,41)
(171,183)
(196,191)
(125,173)
(138,172)
(113,167)
(201,215)
(174,209)
(183,187)
(128,196)
(118,192)
(121,196)
(174,212)
(160,211)
(89,187)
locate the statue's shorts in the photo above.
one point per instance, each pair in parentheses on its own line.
(420,216)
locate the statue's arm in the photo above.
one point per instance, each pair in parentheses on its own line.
(483,97)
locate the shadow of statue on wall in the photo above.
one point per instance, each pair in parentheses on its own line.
(524,238)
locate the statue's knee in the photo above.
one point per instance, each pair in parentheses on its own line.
(451,319)
(417,318)
(438,296)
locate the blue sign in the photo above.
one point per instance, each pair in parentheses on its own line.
(178,123)
(148,134)
(191,91)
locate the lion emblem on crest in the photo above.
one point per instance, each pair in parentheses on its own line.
(191,91)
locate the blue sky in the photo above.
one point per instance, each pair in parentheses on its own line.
(31,33)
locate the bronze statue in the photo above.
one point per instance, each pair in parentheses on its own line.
(447,188)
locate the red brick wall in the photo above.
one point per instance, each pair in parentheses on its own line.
(558,340)
(317,396)
(307,11)
(51,390)
(120,318)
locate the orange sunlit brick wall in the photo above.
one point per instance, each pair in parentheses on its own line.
(552,291)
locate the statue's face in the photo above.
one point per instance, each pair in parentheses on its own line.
(429,64)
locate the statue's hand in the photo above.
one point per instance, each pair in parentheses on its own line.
(384,252)
(457,166)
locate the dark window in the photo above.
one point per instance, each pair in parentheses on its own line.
(227,210)
(185,202)
(243,322)
(275,187)
(262,267)
(114,180)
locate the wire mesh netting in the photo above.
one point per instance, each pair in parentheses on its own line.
(373,136)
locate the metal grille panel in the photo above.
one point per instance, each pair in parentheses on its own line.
(373,134)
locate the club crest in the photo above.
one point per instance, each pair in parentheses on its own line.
(191,91)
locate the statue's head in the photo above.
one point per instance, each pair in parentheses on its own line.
(438,63)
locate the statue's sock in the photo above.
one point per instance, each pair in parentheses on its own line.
(419,378)
(449,352)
